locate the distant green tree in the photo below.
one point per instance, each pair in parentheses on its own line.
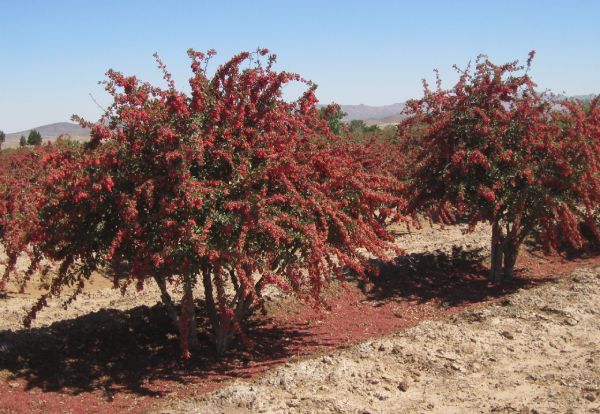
(587,107)
(359,130)
(34,138)
(334,115)
(22,141)
(389,132)
(66,141)
(357,125)
(2,138)
(372,128)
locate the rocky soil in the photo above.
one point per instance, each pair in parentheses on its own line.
(536,351)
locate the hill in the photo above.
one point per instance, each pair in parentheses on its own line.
(373,115)
(50,131)
(367,112)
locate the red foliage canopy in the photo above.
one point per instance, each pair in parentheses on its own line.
(494,149)
(230,184)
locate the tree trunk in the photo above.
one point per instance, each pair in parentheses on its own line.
(192,325)
(511,250)
(222,328)
(192,329)
(168,302)
(496,254)
(223,337)
(223,325)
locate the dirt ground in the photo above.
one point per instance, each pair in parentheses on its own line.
(535,351)
(429,335)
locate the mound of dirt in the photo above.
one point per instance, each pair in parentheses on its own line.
(535,351)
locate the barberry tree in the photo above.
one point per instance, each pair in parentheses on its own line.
(230,188)
(494,149)
(21,194)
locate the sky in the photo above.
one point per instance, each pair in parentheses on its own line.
(53,53)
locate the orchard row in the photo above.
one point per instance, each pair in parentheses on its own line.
(232,188)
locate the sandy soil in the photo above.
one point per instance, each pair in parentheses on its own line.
(534,352)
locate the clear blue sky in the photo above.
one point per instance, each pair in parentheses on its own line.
(372,52)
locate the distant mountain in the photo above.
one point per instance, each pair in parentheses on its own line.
(366,112)
(587,97)
(392,114)
(50,132)
(388,120)
(372,115)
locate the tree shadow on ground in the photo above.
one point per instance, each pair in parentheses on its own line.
(450,279)
(126,351)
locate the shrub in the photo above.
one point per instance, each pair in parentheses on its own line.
(494,149)
(22,179)
(230,187)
